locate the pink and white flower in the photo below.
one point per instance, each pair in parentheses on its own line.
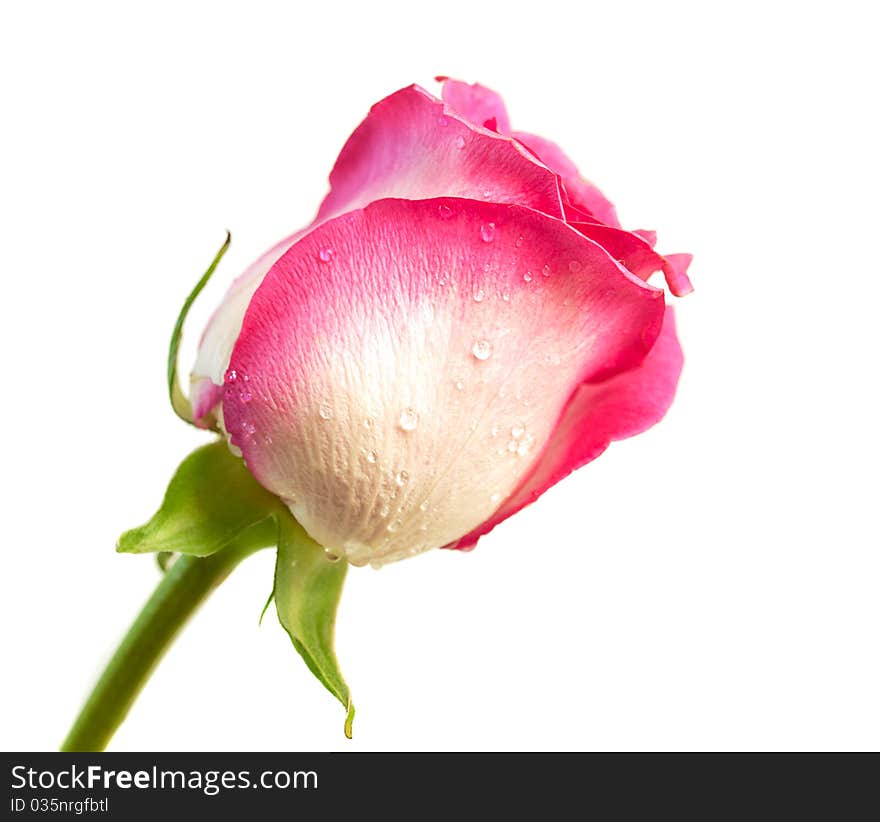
(463,324)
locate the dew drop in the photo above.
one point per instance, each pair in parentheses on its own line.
(459,142)
(245,395)
(527,276)
(574,266)
(517,431)
(479,295)
(231,376)
(424,506)
(546,271)
(368,422)
(482,349)
(519,241)
(494,431)
(444,211)
(384,511)
(459,386)
(525,446)
(496,497)
(401,478)
(330,556)
(409,419)
(487,232)
(325,412)
(505,295)
(247,427)
(325,254)
(372,456)
(512,446)
(393,526)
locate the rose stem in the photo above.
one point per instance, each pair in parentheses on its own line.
(185,585)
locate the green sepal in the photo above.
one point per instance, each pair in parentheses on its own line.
(211,500)
(308,586)
(179,401)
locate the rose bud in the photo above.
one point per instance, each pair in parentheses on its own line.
(463,324)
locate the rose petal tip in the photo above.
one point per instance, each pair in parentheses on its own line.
(675,271)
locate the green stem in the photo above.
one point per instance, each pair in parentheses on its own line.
(185,585)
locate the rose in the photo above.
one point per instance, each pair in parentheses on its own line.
(463,324)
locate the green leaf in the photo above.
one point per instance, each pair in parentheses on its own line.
(307,590)
(211,500)
(179,401)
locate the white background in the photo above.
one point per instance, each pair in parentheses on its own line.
(711,584)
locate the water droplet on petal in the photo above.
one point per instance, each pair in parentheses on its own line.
(245,395)
(401,478)
(409,419)
(519,241)
(384,511)
(527,276)
(424,506)
(325,254)
(459,386)
(494,431)
(505,295)
(482,349)
(459,142)
(325,412)
(487,232)
(496,497)
(331,557)
(444,211)
(368,422)
(372,456)
(479,294)
(231,376)
(524,446)
(393,526)
(512,446)
(574,266)
(546,271)
(517,431)
(247,428)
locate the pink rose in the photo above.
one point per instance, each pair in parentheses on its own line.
(463,324)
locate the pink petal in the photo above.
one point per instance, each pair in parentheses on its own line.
(582,193)
(412,145)
(676,274)
(215,347)
(630,249)
(596,415)
(650,237)
(633,249)
(476,103)
(405,363)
